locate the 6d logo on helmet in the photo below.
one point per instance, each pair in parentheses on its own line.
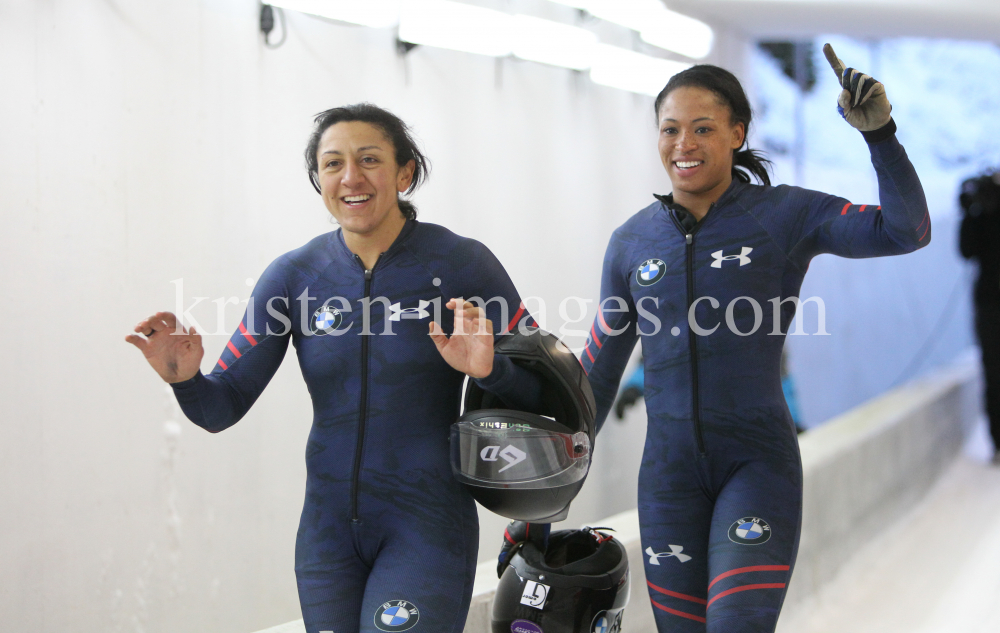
(605,622)
(512,455)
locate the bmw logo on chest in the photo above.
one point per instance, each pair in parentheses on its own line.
(650,272)
(750,531)
(396,615)
(326,320)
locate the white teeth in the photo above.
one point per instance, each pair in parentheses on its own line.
(360,198)
(688,164)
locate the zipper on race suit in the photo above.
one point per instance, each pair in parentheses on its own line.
(692,337)
(363,409)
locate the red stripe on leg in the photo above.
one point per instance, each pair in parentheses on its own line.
(846,207)
(689,616)
(745,570)
(767,585)
(674,594)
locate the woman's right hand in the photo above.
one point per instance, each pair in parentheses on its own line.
(171,349)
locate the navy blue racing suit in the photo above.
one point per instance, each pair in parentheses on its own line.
(388,540)
(720,485)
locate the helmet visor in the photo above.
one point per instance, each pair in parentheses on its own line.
(495,453)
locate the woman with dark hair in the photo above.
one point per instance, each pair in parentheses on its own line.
(709,276)
(388,539)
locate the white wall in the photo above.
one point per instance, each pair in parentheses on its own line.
(145,142)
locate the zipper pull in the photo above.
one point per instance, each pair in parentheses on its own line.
(689,238)
(368,275)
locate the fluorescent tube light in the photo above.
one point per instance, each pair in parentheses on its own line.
(576,4)
(657,25)
(373,13)
(456,26)
(633,14)
(628,70)
(552,43)
(678,33)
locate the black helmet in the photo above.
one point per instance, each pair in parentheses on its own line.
(578,584)
(528,465)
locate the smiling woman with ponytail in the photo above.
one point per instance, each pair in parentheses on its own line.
(710,264)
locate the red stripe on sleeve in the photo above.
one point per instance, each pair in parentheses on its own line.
(243,330)
(222,365)
(604,324)
(689,616)
(846,207)
(768,585)
(745,570)
(589,355)
(232,348)
(517,317)
(862,209)
(674,594)
(593,336)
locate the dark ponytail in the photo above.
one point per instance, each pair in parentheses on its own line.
(727,88)
(394,129)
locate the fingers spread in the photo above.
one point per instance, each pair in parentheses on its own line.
(834,61)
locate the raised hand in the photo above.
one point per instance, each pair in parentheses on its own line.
(862,102)
(469,349)
(171,349)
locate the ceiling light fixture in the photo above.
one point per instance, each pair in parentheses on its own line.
(374,13)
(552,43)
(456,26)
(635,72)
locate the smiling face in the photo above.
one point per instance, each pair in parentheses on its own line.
(696,143)
(359,179)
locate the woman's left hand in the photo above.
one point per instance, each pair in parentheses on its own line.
(469,349)
(862,102)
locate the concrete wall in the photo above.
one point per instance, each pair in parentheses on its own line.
(868,467)
(150,141)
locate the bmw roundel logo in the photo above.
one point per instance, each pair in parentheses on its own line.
(325,320)
(750,531)
(396,615)
(607,622)
(650,272)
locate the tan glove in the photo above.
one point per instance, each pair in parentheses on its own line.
(862,102)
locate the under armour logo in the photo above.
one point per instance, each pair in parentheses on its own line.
(511,455)
(719,258)
(409,313)
(675,551)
